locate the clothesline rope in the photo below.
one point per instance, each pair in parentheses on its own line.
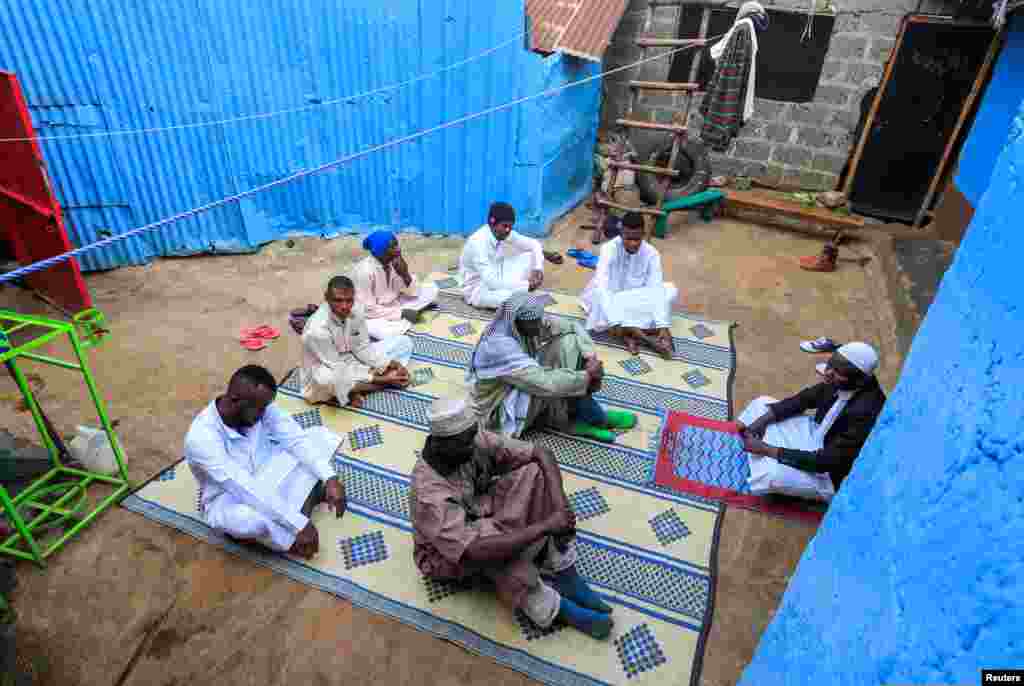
(63,257)
(269,115)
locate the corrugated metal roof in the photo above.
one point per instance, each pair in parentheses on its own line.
(548,21)
(591,29)
(88,66)
(582,28)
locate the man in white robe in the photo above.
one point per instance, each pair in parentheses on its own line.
(388,294)
(498,262)
(259,473)
(794,454)
(628,294)
(339,360)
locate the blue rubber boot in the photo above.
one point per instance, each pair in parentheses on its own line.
(571,585)
(593,624)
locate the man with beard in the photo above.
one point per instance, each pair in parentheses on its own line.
(389,295)
(260,475)
(846,406)
(483,504)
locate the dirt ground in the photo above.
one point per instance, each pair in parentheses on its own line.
(132,602)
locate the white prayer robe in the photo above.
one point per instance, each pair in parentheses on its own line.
(337,355)
(492,272)
(382,294)
(768,475)
(253,485)
(628,290)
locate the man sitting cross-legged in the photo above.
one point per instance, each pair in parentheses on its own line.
(483,504)
(339,361)
(259,473)
(498,262)
(628,294)
(391,297)
(528,368)
(846,406)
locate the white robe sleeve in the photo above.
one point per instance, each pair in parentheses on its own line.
(655,277)
(221,469)
(525,244)
(294,440)
(340,371)
(490,273)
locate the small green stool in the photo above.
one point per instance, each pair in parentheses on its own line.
(709,202)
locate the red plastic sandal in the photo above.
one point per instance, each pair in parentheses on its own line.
(261,331)
(253,343)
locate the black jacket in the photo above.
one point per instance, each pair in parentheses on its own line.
(846,436)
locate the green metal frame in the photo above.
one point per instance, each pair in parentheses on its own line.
(85,332)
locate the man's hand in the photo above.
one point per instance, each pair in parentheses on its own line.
(595,374)
(334,494)
(536,278)
(402,269)
(307,543)
(356,400)
(756,428)
(561,522)
(756,446)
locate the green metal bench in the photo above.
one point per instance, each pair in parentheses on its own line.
(709,201)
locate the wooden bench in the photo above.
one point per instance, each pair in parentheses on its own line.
(763,208)
(709,202)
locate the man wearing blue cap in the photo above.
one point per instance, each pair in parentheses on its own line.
(391,298)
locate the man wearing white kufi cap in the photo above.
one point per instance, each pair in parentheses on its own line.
(794,454)
(485,504)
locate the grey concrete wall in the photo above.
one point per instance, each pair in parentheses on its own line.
(804,143)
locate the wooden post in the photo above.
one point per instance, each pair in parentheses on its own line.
(951,144)
(873,112)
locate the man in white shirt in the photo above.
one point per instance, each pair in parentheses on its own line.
(338,359)
(259,473)
(497,262)
(390,296)
(628,295)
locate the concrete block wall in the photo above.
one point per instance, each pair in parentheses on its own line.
(806,143)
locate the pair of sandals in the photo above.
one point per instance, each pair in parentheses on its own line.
(583,258)
(256,337)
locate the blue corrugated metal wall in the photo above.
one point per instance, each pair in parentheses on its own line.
(89,67)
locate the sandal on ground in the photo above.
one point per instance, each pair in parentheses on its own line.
(822,344)
(261,331)
(553,257)
(253,343)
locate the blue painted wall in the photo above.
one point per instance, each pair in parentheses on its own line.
(916,575)
(1001,101)
(90,67)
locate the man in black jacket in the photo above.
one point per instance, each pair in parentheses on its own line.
(846,407)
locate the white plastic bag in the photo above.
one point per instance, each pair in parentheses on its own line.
(92,448)
(768,475)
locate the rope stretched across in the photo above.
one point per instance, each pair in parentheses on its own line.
(268,115)
(58,259)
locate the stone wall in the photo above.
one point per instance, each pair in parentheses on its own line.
(804,143)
